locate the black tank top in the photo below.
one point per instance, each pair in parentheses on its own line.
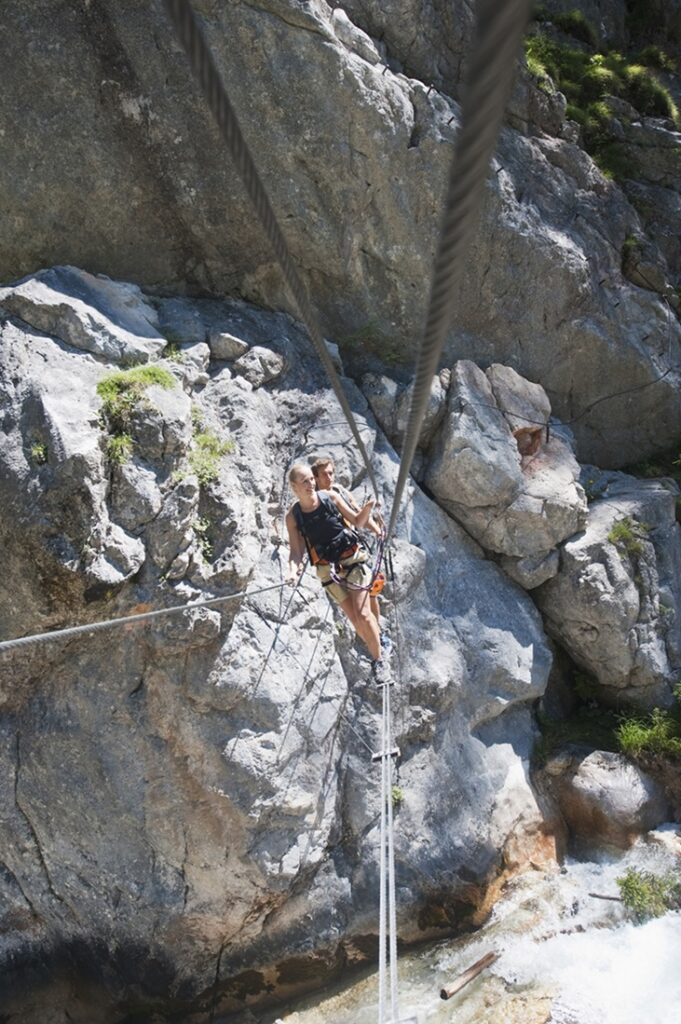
(325,529)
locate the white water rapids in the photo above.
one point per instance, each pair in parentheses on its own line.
(566,958)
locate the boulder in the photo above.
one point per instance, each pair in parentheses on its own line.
(91,312)
(135,494)
(226,346)
(494,470)
(605,800)
(161,426)
(390,405)
(614,603)
(260,365)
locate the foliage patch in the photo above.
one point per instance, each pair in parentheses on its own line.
(39,453)
(586,78)
(647,895)
(120,392)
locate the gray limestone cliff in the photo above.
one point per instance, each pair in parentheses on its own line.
(115,166)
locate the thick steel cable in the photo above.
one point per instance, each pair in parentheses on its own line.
(95,627)
(500,26)
(215,94)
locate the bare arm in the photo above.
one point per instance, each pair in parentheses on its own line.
(358,519)
(374,524)
(296,549)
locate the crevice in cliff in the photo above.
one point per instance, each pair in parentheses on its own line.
(415,137)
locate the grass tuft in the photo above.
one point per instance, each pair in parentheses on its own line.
(120,392)
(207,449)
(626,535)
(39,453)
(119,449)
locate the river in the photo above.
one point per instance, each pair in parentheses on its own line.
(565,957)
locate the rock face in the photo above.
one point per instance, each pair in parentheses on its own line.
(605,800)
(193,799)
(117,144)
(491,467)
(614,603)
(89,312)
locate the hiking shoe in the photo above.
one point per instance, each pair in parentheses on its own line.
(380,671)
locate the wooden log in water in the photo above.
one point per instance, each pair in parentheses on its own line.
(472,972)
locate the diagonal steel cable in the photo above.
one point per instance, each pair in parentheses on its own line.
(125,620)
(202,64)
(500,27)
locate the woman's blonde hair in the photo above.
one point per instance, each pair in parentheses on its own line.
(295,471)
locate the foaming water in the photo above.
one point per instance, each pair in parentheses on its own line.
(565,958)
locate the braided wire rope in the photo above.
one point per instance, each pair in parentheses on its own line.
(126,620)
(204,69)
(500,26)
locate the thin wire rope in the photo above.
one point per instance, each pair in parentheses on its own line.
(382,921)
(204,69)
(93,627)
(392,909)
(500,27)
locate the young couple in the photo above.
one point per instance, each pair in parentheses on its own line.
(320,523)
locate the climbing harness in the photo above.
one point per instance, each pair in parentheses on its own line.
(340,563)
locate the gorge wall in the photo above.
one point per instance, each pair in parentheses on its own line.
(189,823)
(115,166)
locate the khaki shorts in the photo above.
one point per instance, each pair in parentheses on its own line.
(354,569)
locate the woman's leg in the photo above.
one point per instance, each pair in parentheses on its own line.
(359,613)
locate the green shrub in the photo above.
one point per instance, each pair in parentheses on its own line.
(655,57)
(173,353)
(574,23)
(657,733)
(39,453)
(397,796)
(631,250)
(585,79)
(647,895)
(207,449)
(648,95)
(119,448)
